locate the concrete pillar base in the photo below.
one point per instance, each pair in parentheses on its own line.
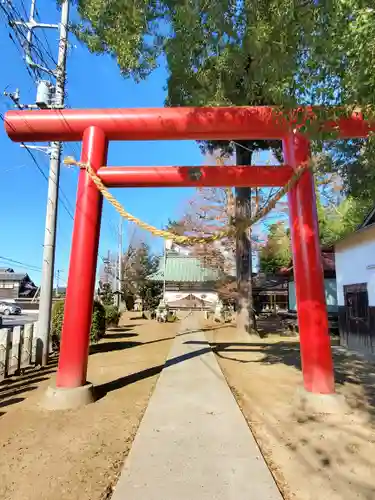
(330,404)
(57,398)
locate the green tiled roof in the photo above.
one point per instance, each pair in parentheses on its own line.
(182,268)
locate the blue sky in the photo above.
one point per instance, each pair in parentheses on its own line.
(93,81)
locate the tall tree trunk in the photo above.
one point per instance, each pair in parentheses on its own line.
(245,317)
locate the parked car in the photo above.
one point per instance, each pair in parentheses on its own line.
(7,308)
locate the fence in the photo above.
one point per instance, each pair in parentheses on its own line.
(17,348)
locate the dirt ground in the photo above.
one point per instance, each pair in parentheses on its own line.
(77,454)
(312,455)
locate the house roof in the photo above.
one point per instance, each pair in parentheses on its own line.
(11,276)
(183,268)
(369,219)
(263,281)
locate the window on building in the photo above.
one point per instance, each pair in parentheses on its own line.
(356,301)
(6,284)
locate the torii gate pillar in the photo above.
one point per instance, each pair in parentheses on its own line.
(315,345)
(75,336)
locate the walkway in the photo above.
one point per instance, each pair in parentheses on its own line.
(193,442)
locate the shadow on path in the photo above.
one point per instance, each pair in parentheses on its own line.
(119,335)
(120,346)
(102,389)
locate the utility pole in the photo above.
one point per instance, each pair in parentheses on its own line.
(48,96)
(119,282)
(45,303)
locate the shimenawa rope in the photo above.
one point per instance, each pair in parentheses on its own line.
(237,227)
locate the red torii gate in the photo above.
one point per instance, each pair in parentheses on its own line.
(97,127)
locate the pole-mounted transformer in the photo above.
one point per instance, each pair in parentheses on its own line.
(44,93)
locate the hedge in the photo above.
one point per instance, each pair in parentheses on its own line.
(98,323)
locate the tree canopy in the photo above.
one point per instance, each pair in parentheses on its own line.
(317,51)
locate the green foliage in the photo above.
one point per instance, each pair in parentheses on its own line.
(112,316)
(335,222)
(345,218)
(329,223)
(98,323)
(279,52)
(353,161)
(129,31)
(57,319)
(353,213)
(276,253)
(106,293)
(340,48)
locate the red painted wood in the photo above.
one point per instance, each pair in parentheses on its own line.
(214,176)
(316,355)
(81,281)
(231,123)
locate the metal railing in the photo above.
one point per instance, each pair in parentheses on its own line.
(17,348)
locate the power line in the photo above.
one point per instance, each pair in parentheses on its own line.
(13,16)
(18,48)
(63,203)
(48,49)
(22,264)
(45,177)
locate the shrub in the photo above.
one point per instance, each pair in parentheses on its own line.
(98,323)
(57,320)
(112,316)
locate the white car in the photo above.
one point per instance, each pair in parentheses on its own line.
(6,308)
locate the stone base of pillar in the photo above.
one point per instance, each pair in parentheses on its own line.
(58,398)
(329,404)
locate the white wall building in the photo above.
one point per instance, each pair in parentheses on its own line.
(355,275)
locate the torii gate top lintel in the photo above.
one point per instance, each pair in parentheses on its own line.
(182,123)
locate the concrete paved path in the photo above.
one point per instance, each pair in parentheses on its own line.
(193,442)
